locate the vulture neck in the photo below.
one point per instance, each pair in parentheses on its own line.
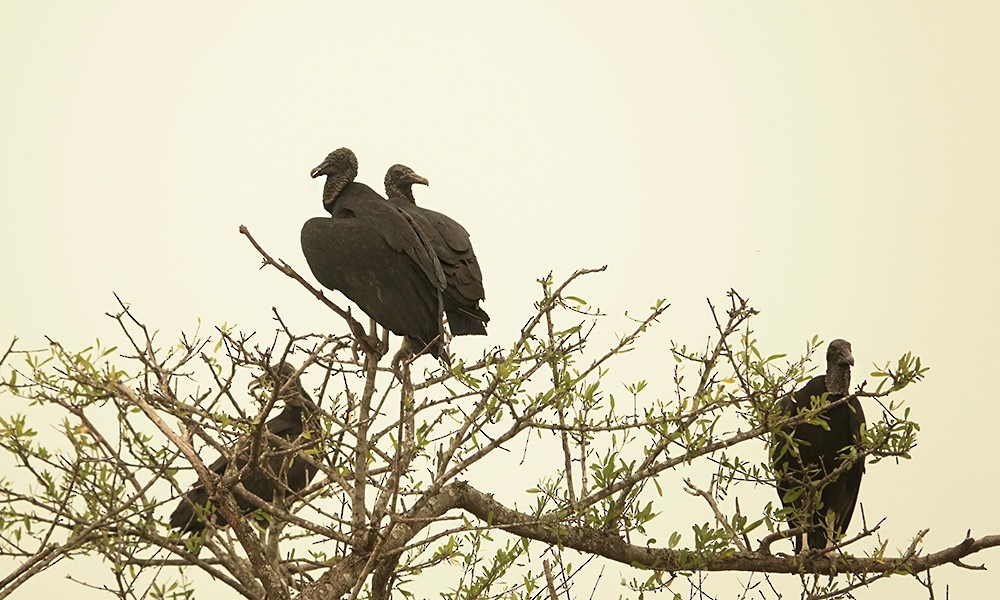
(838,379)
(332,188)
(296,401)
(397,192)
(293,415)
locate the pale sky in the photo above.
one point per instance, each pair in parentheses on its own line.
(838,164)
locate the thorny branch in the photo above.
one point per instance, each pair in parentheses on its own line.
(371,344)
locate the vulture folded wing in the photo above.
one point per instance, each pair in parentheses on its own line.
(352,256)
(394,226)
(451,244)
(844,497)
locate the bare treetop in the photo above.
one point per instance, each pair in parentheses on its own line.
(405,496)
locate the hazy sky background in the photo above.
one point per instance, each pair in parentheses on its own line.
(838,164)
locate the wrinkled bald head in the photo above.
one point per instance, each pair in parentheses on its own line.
(839,361)
(399,180)
(280,379)
(338,162)
(839,353)
(340,168)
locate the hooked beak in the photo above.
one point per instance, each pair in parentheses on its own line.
(418,179)
(319,170)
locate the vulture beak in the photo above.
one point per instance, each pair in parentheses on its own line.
(256,383)
(418,179)
(323,167)
(318,170)
(848,358)
(839,353)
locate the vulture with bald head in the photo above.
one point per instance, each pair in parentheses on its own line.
(277,468)
(374,253)
(818,473)
(450,242)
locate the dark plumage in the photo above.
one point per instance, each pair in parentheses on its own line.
(274,468)
(825,510)
(374,254)
(450,241)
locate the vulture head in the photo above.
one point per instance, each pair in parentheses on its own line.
(839,361)
(399,180)
(340,168)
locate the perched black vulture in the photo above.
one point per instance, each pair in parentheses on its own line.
(373,253)
(802,465)
(450,242)
(274,468)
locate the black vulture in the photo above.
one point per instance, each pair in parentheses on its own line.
(374,254)
(451,243)
(804,455)
(274,467)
